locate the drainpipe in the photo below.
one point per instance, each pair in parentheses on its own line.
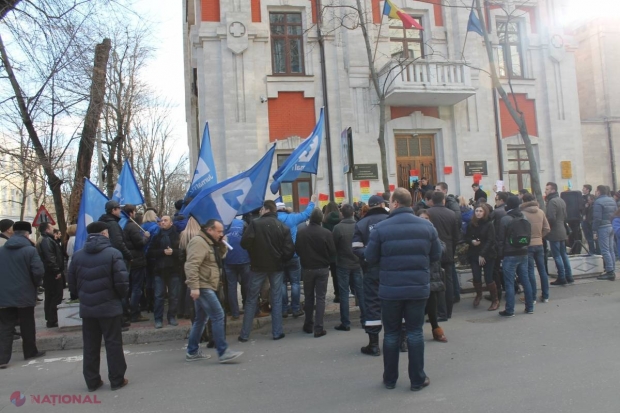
(498,137)
(611,154)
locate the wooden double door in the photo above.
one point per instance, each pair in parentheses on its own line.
(415,151)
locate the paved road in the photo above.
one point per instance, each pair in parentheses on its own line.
(564,358)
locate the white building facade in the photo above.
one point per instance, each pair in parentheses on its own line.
(253,71)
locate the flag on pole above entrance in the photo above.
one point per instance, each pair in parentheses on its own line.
(393,12)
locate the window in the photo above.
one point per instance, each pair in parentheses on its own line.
(509,56)
(287,43)
(405,43)
(296,194)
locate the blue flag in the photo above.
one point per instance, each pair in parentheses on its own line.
(237,195)
(473,25)
(91,208)
(205,174)
(127,190)
(303,159)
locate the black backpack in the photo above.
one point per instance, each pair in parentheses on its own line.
(519,232)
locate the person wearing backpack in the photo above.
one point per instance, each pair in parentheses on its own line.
(515,232)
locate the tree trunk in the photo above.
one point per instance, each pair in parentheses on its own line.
(53,180)
(516,116)
(22,210)
(6,6)
(89,131)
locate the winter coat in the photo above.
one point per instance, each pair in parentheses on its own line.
(603,211)
(453,204)
(437,273)
(135,242)
(363,228)
(237,255)
(70,249)
(479,194)
(485,233)
(269,243)
(159,244)
(615,223)
(202,269)
(404,246)
(3,239)
(343,240)
(292,219)
(315,247)
(51,255)
(332,219)
(115,233)
(99,277)
(556,215)
(448,227)
(22,271)
(504,248)
(496,217)
(466,216)
(538,220)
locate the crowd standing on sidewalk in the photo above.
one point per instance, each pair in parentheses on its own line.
(397,260)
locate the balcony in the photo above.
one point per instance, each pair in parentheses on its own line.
(426,83)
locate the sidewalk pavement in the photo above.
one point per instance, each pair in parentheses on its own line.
(49,339)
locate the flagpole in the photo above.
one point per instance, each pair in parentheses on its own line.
(374,56)
(467,31)
(139,226)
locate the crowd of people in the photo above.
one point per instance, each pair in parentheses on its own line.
(397,259)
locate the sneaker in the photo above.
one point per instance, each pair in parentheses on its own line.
(243,340)
(570,281)
(158,324)
(229,355)
(610,276)
(544,300)
(506,314)
(299,313)
(173,321)
(342,327)
(558,282)
(528,311)
(196,357)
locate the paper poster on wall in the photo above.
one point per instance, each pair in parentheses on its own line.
(323,200)
(339,195)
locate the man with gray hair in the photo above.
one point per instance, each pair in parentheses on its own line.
(20,276)
(316,250)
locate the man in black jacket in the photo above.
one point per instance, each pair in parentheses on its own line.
(164,249)
(496,216)
(135,240)
(98,276)
(270,245)
(449,229)
(54,263)
(316,250)
(111,218)
(21,274)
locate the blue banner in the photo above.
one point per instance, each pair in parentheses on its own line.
(205,175)
(303,159)
(237,195)
(127,190)
(92,206)
(473,24)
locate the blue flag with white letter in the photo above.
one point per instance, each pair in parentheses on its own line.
(127,190)
(235,196)
(473,24)
(92,206)
(303,159)
(205,174)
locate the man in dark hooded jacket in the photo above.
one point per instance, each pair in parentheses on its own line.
(54,262)
(22,271)
(111,218)
(98,276)
(135,239)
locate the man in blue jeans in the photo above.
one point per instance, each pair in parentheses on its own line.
(403,245)
(556,215)
(203,267)
(604,210)
(536,252)
(515,261)
(347,266)
(270,245)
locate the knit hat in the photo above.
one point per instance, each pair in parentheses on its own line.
(281,206)
(512,202)
(5,225)
(96,227)
(375,200)
(22,226)
(110,205)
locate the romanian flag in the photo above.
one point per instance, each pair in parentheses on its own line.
(393,12)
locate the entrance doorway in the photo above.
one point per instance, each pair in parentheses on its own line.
(518,169)
(296,194)
(415,151)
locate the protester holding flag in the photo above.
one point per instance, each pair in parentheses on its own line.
(111,218)
(150,223)
(136,239)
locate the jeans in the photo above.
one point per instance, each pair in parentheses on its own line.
(256,282)
(606,244)
(137,280)
(558,250)
(159,283)
(236,274)
(207,306)
(315,288)
(344,274)
(292,274)
(393,313)
(536,255)
(589,234)
(517,265)
(476,270)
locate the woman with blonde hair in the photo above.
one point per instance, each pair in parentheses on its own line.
(150,223)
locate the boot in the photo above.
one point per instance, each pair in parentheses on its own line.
(403,340)
(494,298)
(478,288)
(372,349)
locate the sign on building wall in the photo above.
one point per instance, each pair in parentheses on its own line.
(363,171)
(476,167)
(567,169)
